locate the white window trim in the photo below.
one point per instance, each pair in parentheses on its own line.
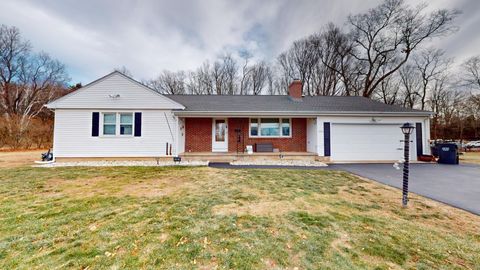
(259,130)
(117,125)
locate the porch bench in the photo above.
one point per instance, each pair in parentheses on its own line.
(264,147)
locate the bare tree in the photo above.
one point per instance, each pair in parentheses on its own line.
(230,71)
(259,76)
(244,79)
(411,83)
(388,34)
(390,90)
(169,83)
(218,76)
(431,65)
(27,80)
(336,55)
(299,62)
(471,72)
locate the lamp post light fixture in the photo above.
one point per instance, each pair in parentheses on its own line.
(407,129)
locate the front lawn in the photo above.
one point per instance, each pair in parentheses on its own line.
(183,218)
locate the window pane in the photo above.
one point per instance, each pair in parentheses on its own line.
(220,130)
(109,129)
(286,127)
(126,118)
(109,118)
(126,129)
(253,127)
(270,127)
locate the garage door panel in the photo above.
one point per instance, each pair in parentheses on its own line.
(356,142)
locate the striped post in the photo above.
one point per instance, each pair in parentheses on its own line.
(406,151)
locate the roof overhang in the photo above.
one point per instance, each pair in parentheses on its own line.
(294,113)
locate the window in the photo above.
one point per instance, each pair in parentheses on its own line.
(117,124)
(253,127)
(109,123)
(126,124)
(285,127)
(270,127)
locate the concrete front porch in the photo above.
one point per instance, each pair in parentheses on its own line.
(241,156)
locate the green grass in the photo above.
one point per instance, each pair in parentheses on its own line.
(184,218)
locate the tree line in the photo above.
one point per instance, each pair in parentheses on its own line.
(384,54)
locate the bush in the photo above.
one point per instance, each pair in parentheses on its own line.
(31,134)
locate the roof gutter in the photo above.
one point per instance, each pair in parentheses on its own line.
(297,113)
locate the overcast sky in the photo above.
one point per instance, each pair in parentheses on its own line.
(94,37)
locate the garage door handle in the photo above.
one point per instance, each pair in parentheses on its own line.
(399,148)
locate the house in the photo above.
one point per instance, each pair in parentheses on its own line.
(118,117)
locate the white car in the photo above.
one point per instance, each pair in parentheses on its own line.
(473,144)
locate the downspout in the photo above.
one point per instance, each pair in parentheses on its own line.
(171,133)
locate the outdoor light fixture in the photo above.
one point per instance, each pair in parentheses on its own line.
(407,129)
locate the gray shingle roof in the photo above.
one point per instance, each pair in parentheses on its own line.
(268,103)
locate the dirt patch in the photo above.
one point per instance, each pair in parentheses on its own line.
(341,242)
(154,187)
(103,186)
(267,208)
(13,159)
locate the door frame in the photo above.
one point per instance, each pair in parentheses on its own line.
(219,146)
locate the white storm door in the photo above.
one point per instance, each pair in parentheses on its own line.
(220,135)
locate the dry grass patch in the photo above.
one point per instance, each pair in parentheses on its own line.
(204,218)
(12,159)
(470,157)
(267,208)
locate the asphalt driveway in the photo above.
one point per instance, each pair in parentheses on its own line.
(456,185)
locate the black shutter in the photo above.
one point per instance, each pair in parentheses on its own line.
(418,132)
(326,139)
(95,123)
(138,124)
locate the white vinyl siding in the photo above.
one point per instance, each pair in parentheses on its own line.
(115,91)
(73,138)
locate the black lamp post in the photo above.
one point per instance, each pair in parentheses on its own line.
(407,129)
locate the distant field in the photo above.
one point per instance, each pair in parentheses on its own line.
(470,157)
(19,158)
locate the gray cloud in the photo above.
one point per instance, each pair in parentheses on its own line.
(93,37)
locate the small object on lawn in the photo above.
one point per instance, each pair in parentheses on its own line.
(407,129)
(48,156)
(177,159)
(396,166)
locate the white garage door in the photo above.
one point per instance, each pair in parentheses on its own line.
(357,142)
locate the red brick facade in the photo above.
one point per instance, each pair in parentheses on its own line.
(198,135)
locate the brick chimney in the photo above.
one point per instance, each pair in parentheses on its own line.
(295,89)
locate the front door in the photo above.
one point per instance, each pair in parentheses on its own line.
(220,135)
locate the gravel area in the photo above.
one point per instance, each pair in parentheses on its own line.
(281,162)
(121,163)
